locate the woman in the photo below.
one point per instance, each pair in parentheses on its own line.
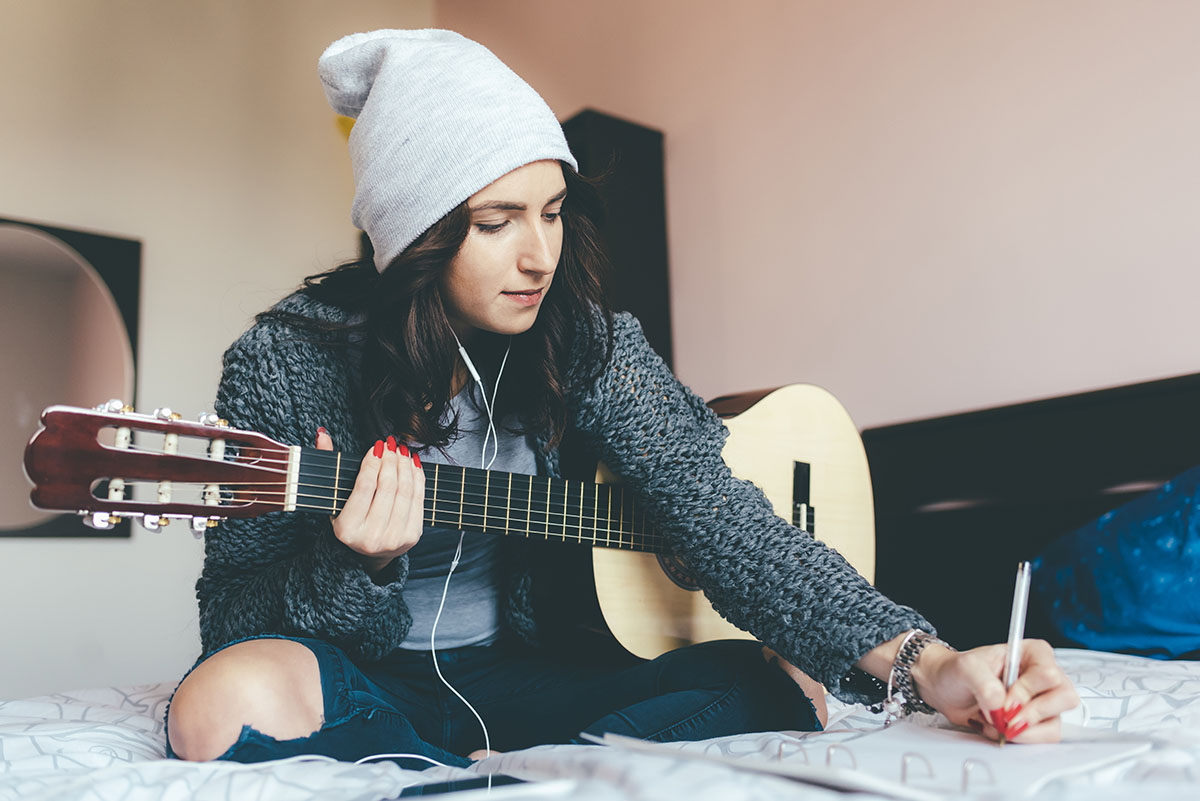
(479,335)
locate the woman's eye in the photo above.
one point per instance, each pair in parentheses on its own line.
(552,216)
(490,229)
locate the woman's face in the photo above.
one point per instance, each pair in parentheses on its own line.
(502,271)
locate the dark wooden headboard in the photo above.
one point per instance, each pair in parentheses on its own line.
(959,500)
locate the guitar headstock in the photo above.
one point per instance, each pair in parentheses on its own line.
(88,461)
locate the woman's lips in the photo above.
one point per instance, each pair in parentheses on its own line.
(526,298)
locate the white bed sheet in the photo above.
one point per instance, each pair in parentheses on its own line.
(107,745)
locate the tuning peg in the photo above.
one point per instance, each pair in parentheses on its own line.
(101,521)
(165,413)
(115,405)
(203,524)
(153,522)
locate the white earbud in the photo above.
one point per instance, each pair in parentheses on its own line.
(470,365)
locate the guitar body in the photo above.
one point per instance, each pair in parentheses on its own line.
(651,611)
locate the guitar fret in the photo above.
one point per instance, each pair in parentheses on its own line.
(529,510)
(337,475)
(487,490)
(433,518)
(643,531)
(582,500)
(634,537)
(461,490)
(566,496)
(632,519)
(621,522)
(508,503)
(608,518)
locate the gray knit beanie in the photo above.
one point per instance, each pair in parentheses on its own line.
(439,118)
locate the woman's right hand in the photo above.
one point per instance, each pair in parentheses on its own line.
(383,516)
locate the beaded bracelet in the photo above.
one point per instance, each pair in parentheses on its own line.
(902,696)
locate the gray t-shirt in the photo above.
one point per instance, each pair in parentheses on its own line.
(472,612)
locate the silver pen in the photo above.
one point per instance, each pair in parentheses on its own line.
(1016,627)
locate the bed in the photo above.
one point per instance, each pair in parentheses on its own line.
(951,490)
(107,745)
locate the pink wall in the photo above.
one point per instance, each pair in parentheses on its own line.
(924,207)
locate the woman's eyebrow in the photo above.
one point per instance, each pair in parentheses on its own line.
(508,205)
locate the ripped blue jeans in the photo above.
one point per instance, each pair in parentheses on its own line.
(529,697)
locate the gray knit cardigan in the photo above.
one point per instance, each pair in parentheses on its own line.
(286,573)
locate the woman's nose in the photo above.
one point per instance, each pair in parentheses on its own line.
(541,250)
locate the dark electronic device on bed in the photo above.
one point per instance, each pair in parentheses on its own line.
(496,786)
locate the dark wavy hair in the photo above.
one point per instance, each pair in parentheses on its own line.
(408,354)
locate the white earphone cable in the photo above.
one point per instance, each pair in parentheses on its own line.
(487,740)
(491,413)
(488,407)
(490,431)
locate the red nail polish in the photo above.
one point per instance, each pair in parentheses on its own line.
(997,717)
(391,443)
(1011,712)
(378,449)
(404,450)
(416,459)
(321,430)
(1016,730)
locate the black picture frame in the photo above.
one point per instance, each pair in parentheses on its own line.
(118,263)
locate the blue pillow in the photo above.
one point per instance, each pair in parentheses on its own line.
(1130,581)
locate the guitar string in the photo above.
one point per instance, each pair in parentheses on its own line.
(556,514)
(542,534)
(350,472)
(648,542)
(477,487)
(561,496)
(330,459)
(229,457)
(451,495)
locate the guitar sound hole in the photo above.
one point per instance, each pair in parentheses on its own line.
(675,571)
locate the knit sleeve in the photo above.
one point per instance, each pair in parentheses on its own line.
(795,594)
(285,572)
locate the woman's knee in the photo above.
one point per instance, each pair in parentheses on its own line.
(811,688)
(271,685)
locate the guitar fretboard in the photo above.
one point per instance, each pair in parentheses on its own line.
(495,502)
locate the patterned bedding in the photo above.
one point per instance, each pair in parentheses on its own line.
(108,744)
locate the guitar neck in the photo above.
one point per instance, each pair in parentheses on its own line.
(495,502)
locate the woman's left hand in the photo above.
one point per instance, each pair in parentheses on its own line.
(966,687)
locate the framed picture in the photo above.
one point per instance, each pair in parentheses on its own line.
(68,318)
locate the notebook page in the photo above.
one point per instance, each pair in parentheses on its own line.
(832,777)
(921,763)
(933,758)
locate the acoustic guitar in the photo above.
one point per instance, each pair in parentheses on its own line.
(796,443)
